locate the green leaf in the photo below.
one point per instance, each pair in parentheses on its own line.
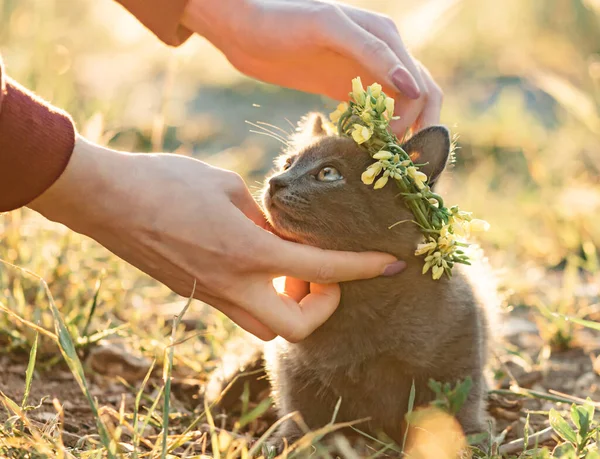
(562,427)
(411,405)
(459,397)
(564,451)
(592,455)
(29,371)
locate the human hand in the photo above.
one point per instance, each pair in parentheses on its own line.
(318,47)
(180,220)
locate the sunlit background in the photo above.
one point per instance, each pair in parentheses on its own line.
(522,90)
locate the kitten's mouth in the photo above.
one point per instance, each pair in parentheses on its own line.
(281,222)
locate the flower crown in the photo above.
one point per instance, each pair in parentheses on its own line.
(366,119)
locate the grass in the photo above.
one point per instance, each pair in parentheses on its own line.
(522,85)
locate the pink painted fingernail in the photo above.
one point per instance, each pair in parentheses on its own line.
(394,268)
(405,83)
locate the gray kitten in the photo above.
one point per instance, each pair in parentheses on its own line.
(387,331)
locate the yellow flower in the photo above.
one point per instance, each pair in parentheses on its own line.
(381,182)
(361,133)
(478,225)
(446,243)
(418,177)
(389,107)
(426,267)
(383,154)
(366,117)
(339,111)
(424,248)
(358,92)
(436,272)
(460,227)
(375,90)
(380,104)
(372,171)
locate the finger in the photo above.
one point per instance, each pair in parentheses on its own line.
(324,266)
(315,308)
(268,253)
(294,320)
(242,198)
(349,39)
(296,288)
(240,316)
(433,105)
(409,114)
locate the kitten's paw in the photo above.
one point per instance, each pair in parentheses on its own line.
(282,439)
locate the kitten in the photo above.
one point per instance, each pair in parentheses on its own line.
(388,331)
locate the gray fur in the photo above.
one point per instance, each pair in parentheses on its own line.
(387,331)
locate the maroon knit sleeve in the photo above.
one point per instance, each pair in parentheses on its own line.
(162,17)
(36,142)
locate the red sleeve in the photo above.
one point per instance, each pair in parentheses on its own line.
(162,17)
(36,142)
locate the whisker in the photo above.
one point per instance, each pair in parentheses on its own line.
(267,130)
(274,127)
(291,124)
(270,135)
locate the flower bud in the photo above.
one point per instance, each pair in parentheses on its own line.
(383,154)
(478,225)
(375,90)
(380,183)
(358,92)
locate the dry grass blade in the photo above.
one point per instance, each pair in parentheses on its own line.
(30,369)
(520,444)
(136,409)
(93,306)
(167,370)
(30,324)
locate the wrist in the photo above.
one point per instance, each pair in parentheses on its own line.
(80,197)
(214,20)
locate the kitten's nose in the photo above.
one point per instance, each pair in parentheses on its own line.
(276,183)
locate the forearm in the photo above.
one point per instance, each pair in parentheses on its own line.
(36,142)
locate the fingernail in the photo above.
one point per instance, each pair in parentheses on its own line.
(394,268)
(405,83)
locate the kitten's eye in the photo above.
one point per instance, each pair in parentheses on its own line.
(288,163)
(329,174)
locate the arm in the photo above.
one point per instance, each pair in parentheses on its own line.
(319,46)
(180,220)
(36,141)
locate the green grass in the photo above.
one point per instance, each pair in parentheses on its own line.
(522,86)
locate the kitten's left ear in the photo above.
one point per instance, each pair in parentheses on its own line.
(313,125)
(431,146)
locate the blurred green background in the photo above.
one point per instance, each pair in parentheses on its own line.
(521,82)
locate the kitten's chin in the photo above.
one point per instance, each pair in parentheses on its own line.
(281,226)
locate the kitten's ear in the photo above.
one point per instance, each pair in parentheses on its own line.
(431,146)
(312,125)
